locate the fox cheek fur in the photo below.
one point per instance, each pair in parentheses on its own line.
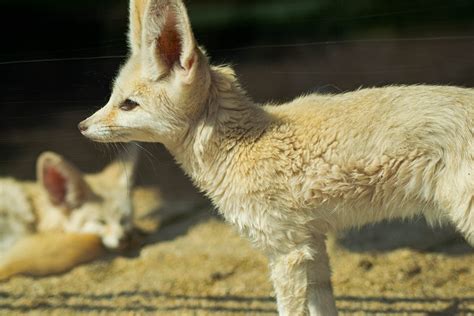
(156,118)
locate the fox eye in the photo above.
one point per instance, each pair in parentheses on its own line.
(128,105)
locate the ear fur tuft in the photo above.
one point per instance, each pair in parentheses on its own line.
(167,38)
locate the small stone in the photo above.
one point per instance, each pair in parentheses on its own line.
(414,270)
(410,271)
(463,270)
(216,276)
(366,264)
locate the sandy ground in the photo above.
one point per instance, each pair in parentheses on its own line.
(197,265)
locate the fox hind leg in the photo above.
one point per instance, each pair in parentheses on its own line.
(457,199)
(466,224)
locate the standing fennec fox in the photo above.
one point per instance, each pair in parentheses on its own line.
(287,175)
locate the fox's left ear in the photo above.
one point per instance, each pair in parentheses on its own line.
(122,169)
(167,41)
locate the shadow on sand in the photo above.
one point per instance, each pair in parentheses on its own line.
(104,303)
(417,235)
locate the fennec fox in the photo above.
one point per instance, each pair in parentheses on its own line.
(65,200)
(287,175)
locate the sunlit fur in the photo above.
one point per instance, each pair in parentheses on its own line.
(48,253)
(288,174)
(102,204)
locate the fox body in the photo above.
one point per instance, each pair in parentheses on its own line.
(49,253)
(288,174)
(65,200)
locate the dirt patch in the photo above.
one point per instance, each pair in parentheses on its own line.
(210,270)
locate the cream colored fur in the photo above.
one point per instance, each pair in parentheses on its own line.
(48,253)
(65,200)
(288,174)
(17,218)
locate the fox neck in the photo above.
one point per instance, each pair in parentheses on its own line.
(229,125)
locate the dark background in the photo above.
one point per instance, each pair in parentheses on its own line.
(58,59)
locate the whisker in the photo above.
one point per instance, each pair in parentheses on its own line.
(149,155)
(145,150)
(124,166)
(110,150)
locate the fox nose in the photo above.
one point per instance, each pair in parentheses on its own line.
(82,126)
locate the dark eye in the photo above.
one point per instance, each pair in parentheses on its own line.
(128,105)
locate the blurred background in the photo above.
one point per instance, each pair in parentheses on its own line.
(58,59)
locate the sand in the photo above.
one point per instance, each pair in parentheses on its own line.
(195,264)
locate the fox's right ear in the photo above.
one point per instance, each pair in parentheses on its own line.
(62,181)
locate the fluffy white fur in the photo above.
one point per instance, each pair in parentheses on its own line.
(16,216)
(65,200)
(288,174)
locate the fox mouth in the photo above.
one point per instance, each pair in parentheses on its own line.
(106,134)
(118,244)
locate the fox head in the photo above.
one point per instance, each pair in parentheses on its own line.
(163,86)
(99,203)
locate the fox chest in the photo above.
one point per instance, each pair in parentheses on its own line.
(253,223)
(269,227)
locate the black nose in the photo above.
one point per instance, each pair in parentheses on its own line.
(82,127)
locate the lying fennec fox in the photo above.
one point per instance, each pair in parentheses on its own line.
(287,175)
(65,218)
(64,200)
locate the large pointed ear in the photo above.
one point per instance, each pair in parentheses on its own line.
(137,11)
(122,169)
(167,39)
(63,182)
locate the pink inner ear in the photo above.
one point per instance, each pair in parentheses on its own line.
(169,42)
(55,184)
